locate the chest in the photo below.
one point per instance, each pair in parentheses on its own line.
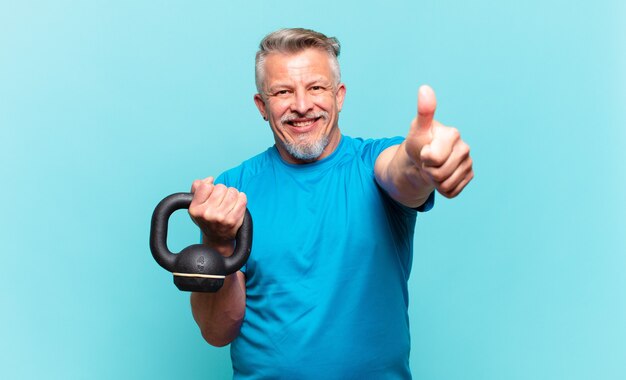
(314,225)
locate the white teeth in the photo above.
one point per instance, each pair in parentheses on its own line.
(302,123)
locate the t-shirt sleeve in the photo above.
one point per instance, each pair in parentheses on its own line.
(373,148)
(223,179)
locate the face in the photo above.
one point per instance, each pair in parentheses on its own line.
(302,102)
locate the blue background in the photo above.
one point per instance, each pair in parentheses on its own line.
(106,107)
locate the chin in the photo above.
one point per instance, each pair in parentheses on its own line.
(309,151)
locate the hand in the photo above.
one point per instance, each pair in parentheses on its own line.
(217,210)
(438,152)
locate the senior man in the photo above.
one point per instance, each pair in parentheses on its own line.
(324,294)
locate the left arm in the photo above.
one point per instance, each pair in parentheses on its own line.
(432,157)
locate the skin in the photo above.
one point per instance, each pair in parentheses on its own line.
(432,157)
(299,86)
(218,211)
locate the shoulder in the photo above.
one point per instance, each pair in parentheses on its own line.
(247,169)
(369,149)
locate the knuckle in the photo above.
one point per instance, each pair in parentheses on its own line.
(431,160)
(437,174)
(439,156)
(455,132)
(445,188)
(218,190)
(230,222)
(193,212)
(231,192)
(201,187)
(436,159)
(209,215)
(464,148)
(446,194)
(219,218)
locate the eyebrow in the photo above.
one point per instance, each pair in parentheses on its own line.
(279,85)
(319,80)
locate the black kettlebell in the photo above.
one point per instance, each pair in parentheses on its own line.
(197,268)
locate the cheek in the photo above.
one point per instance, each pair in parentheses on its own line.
(277,110)
(328,103)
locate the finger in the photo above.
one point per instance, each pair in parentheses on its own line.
(238,211)
(216,197)
(461,173)
(196,183)
(443,171)
(441,147)
(426,105)
(460,186)
(201,192)
(220,213)
(229,201)
(435,154)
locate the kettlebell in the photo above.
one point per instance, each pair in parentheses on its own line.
(197,268)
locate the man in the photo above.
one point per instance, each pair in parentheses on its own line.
(324,293)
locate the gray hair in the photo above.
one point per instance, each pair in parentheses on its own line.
(295,40)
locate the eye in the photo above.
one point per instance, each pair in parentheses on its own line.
(281,92)
(317,89)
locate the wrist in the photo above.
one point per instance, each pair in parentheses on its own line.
(223,247)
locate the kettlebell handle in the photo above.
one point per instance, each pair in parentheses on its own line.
(158,235)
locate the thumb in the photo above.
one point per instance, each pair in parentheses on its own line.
(426,105)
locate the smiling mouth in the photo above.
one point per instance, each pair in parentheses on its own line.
(302,123)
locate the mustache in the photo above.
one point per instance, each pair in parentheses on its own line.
(311,115)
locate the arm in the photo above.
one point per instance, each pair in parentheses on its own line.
(431,157)
(219,315)
(219,211)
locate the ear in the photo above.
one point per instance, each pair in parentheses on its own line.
(341,93)
(260,105)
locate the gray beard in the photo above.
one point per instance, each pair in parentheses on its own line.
(307,151)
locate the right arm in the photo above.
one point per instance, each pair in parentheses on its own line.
(219,315)
(219,212)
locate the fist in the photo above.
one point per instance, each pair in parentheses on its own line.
(440,155)
(217,210)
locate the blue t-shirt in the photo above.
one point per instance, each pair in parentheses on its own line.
(326,281)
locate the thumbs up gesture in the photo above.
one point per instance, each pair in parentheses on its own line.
(437,151)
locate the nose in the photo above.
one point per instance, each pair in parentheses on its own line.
(302,103)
